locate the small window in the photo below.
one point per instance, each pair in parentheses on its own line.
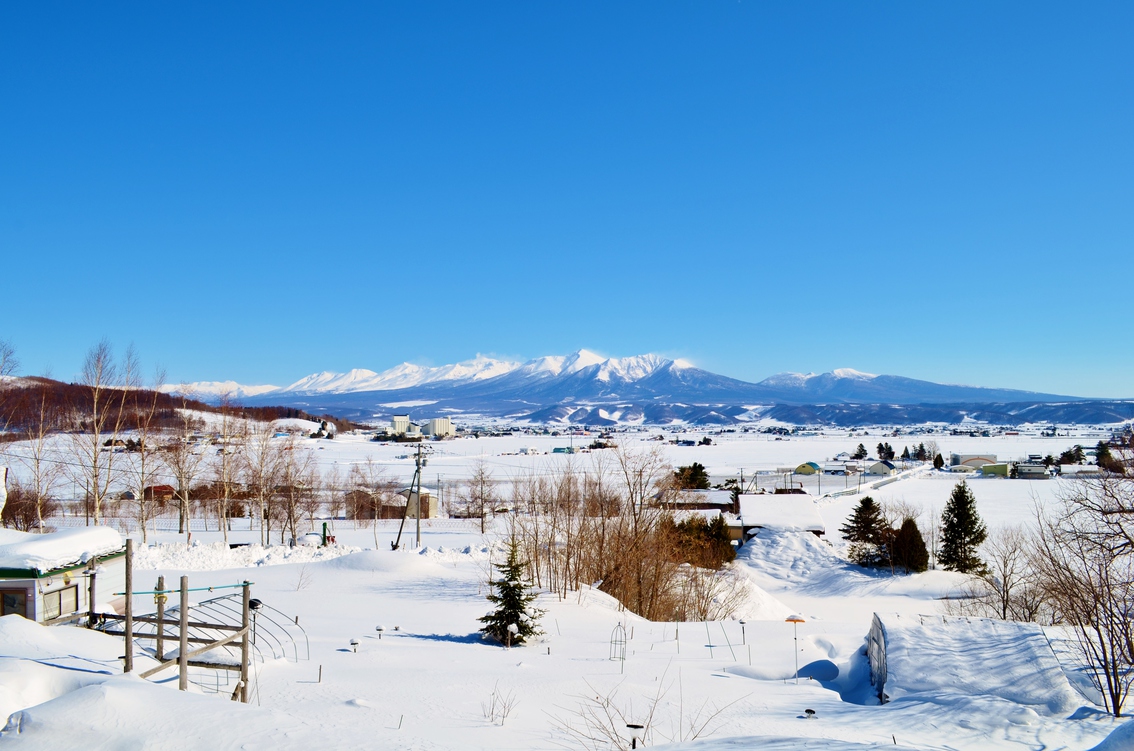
(14,601)
(60,602)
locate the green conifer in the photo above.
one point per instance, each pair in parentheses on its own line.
(513,599)
(908,549)
(962,532)
(863,531)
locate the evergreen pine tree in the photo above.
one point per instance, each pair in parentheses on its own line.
(859,453)
(513,600)
(906,453)
(908,549)
(962,532)
(693,477)
(938,462)
(863,531)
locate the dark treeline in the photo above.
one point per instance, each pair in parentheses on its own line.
(42,404)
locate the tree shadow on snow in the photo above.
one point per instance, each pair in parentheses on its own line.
(473,638)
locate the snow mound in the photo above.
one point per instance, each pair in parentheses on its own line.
(779,743)
(38,663)
(944,655)
(1122,739)
(128,712)
(21,638)
(217,556)
(758,604)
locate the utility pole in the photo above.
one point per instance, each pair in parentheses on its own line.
(420,465)
(416,481)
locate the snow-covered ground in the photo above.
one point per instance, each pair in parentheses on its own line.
(423,684)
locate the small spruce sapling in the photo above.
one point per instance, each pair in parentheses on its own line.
(514,600)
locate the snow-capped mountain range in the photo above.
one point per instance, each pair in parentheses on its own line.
(587,387)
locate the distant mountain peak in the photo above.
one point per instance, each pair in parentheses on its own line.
(791,380)
(852,373)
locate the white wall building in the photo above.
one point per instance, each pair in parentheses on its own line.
(441,427)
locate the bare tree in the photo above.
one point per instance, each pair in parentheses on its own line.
(9,363)
(1086,564)
(262,461)
(142,463)
(227,462)
(299,478)
(479,493)
(1009,587)
(371,479)
(44,468)
(184,460)
(95,439)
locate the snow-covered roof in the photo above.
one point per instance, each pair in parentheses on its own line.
(786,511)
(692,497)
(935,655)
(22,550)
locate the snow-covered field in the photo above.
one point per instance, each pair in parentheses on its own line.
(425,682)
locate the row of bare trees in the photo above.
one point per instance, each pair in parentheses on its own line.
(606,525)
(111,436)
(1074,567)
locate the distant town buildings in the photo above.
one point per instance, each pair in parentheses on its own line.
(438,427)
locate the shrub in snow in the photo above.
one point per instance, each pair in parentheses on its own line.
(908,551)
(514,601)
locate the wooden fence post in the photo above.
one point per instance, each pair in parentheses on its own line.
(129,628)
(91,566)
(244,644)
(161,619)
(183,654)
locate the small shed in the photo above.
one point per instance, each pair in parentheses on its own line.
(1032,471)
(882,468)
(807,468)
(429,506)
(47,578)
(780,511)
(1001,469)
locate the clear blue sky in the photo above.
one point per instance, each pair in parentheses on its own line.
(258,191)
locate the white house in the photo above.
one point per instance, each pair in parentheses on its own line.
(883,468)
(47,577)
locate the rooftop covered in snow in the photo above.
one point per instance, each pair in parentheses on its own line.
(787,511)
(23,551)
